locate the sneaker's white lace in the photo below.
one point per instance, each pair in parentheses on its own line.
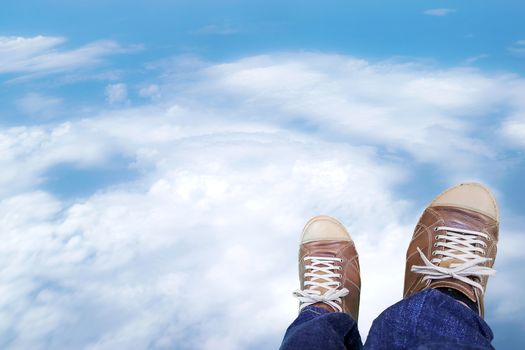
(321,272)
(460,246)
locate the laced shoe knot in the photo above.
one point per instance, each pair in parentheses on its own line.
(462,252)
(321,283)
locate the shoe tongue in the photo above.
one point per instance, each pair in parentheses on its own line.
(450,263)
(460,286)
(326,249)
(320,280)
(321,273)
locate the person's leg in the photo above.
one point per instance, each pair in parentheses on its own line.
(317,328)
(429,319)
(330,289)
(448,263)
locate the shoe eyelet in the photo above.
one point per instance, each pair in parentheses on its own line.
(340,260)
(435,245)
(434,252)
(436,237)
(435,228)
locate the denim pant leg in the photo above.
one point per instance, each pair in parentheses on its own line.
(316,328)
(429,320)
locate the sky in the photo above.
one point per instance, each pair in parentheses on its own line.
(160,158)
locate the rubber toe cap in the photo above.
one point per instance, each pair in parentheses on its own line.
(324,228)
(471,196)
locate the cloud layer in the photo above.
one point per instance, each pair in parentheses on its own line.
(233,158)
(42,55)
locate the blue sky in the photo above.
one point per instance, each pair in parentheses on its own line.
(372,28)
(160,158)
(481,35)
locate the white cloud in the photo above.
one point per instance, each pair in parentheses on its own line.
(152,245)
(152,91)
(116,93)
(233,161)
(439,11)
(42,55)
(476,58)
(38,105)
(405,106)
(514,129)
(518,47)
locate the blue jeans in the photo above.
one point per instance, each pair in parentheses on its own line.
(429,319)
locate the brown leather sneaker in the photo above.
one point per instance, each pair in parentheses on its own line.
(328,267)
(454,243)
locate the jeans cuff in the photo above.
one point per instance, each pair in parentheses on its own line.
(315,310)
